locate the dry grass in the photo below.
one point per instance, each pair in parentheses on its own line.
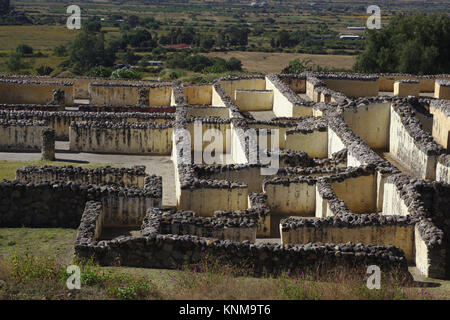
(39,37)
(31,267)
(274,62)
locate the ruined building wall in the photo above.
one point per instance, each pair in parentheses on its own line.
(414,147)
(441,122)
(125,177)
(21,134)
(371,123)
(198,95)
(304,230)
(443,169)
(33,92)
(144,138)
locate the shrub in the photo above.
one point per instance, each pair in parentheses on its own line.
(125,74)
(60,51)
(44,70)
(15,62)
(100,72)
(24,49)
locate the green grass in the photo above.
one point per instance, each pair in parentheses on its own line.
(8,168)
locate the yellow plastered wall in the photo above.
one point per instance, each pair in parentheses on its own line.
(441,127)
(282,107)
(393,204)
(61,124)
(32,93)
(400,236)
(359,194)
(216,100)
(251,176)
(403,148)
(21,137)
(403,89)
(335,143)
(237,147)
(442,92)
(426,261)
(224,128)
(315,144)
(198,94)
(205,201)
(127,141)
(300,111)
(203,112)
(126,211)
(371,123)
(248,100)
(230,86)
(297,85)
(322,206)
(310,89)
(442,173)
(113,95)
(425,85)
(296,198)
(354,88)
(268,127)
(160,96)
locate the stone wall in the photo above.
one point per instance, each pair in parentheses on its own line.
(296,196)
(125,94)
(370,121)
(60,121)
(198,94)
(405,88)
(365,229)
(410,144)
(125,177)
(237,228)
(34,92)
(254,100)
(61,204)
(312,140)
(351,85)
(443,169)
(21,135)
(128,138)
(156,250)
(441,122)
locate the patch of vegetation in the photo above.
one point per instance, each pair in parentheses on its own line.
(416,44)
(31,270)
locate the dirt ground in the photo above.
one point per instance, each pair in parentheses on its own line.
(266,62)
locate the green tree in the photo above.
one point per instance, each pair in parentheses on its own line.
(207,42)
(100,72)
(15,63)
(24,49)
(128,57)
(298,66)
(88,50)
(417,44)
(44,70)
(125,74)
(60,51)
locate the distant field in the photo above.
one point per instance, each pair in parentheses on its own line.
(39,37)
(274,62)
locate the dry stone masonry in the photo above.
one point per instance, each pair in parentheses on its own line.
(363,173)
